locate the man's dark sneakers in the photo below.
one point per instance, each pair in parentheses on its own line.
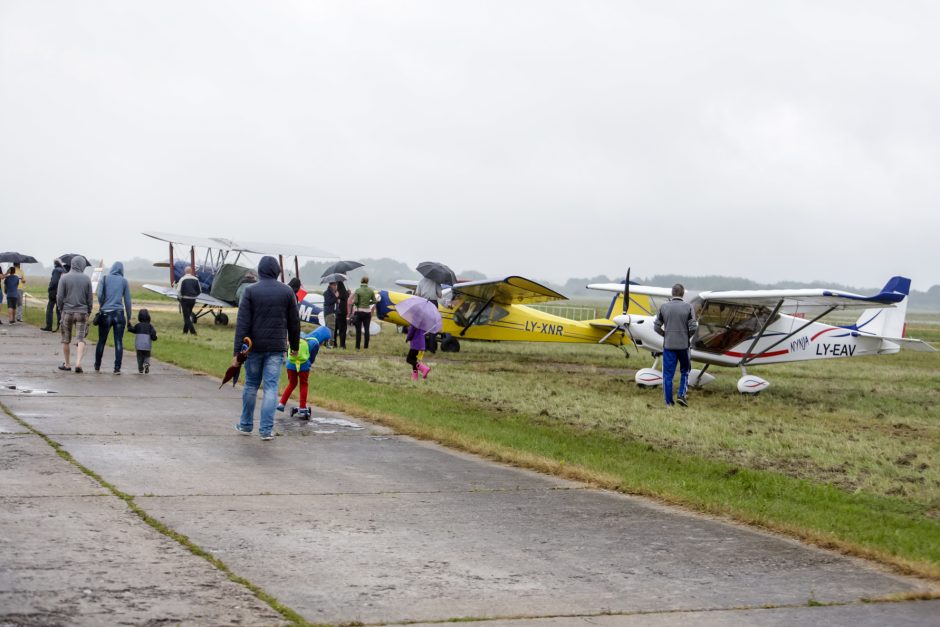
(682,401)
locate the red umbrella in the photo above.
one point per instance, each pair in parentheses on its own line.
(232,373)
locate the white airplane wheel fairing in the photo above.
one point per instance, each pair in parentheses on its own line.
(699,379)
(749,384)
(648,378)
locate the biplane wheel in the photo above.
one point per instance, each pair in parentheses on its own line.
(449,344)
(222,319)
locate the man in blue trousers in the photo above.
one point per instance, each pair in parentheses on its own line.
(268,315)
(677,324)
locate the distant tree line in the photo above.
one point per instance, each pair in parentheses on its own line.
(383,273)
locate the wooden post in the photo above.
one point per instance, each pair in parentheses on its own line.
(296,268)
(192,258)
(280,259)
(171,264)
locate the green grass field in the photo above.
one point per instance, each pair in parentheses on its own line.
(843,453)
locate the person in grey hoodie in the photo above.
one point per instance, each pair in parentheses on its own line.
(677,324)
(114,301)
(74,300)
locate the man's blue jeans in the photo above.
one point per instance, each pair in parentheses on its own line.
(670,358)
(261,368)
(109,320)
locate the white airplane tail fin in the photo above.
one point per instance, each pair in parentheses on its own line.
(887,323)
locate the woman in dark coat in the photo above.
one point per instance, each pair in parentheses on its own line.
(342,296)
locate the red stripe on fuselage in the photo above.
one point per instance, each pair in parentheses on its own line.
(813,339)
(771,354)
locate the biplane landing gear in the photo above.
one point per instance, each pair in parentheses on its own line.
(750,384)
(221,319)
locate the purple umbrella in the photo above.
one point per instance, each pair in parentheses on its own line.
(420,313)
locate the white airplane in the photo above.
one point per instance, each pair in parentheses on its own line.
(220,279)
(756,327)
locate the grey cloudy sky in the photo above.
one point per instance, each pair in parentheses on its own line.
(773,140)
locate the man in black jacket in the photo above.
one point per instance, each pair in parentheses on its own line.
(268,315)
(57,271)
(189,289)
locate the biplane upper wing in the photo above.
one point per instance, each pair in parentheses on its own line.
(510,290)
(290,250)
(202,299)
(189,240)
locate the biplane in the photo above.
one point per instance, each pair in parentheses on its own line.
(222,278)
(499,310)
(742,328)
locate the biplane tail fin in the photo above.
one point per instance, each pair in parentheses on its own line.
(888,322)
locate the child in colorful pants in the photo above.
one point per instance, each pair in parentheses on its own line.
(298,370)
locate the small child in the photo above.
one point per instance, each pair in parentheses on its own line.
(298,368)
(415,340)
(145,336)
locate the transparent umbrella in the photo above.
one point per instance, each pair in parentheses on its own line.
(420,313)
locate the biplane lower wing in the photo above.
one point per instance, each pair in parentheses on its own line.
(202,299)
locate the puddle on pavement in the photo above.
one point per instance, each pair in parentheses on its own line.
(23,390)
(337,422)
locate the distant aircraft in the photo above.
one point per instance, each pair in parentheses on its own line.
(496,310)
(756,327)
(220,279)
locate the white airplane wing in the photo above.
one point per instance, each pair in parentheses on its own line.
(202,299)
(642,290)
(817,298)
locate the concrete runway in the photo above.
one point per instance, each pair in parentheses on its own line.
(342,521)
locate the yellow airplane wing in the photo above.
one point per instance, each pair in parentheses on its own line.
(510,290)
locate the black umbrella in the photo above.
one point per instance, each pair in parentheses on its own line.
(336,277)
(341,267)
(437,272)
(66,259)
(11,257)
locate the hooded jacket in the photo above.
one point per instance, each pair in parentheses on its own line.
(74,292)
(144,331)
(268,313)
(113,289)
(57,273)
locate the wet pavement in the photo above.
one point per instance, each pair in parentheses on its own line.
(342,520)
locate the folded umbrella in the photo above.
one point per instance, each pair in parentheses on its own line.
(336,277)
(437,272)
(341,267)
(232,373)
(420,313)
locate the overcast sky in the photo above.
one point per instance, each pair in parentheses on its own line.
(772,140)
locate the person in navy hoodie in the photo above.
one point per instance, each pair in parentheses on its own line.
(268,315)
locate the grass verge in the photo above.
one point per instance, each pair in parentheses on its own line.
(769,462)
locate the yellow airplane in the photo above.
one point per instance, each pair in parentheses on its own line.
(496,310)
